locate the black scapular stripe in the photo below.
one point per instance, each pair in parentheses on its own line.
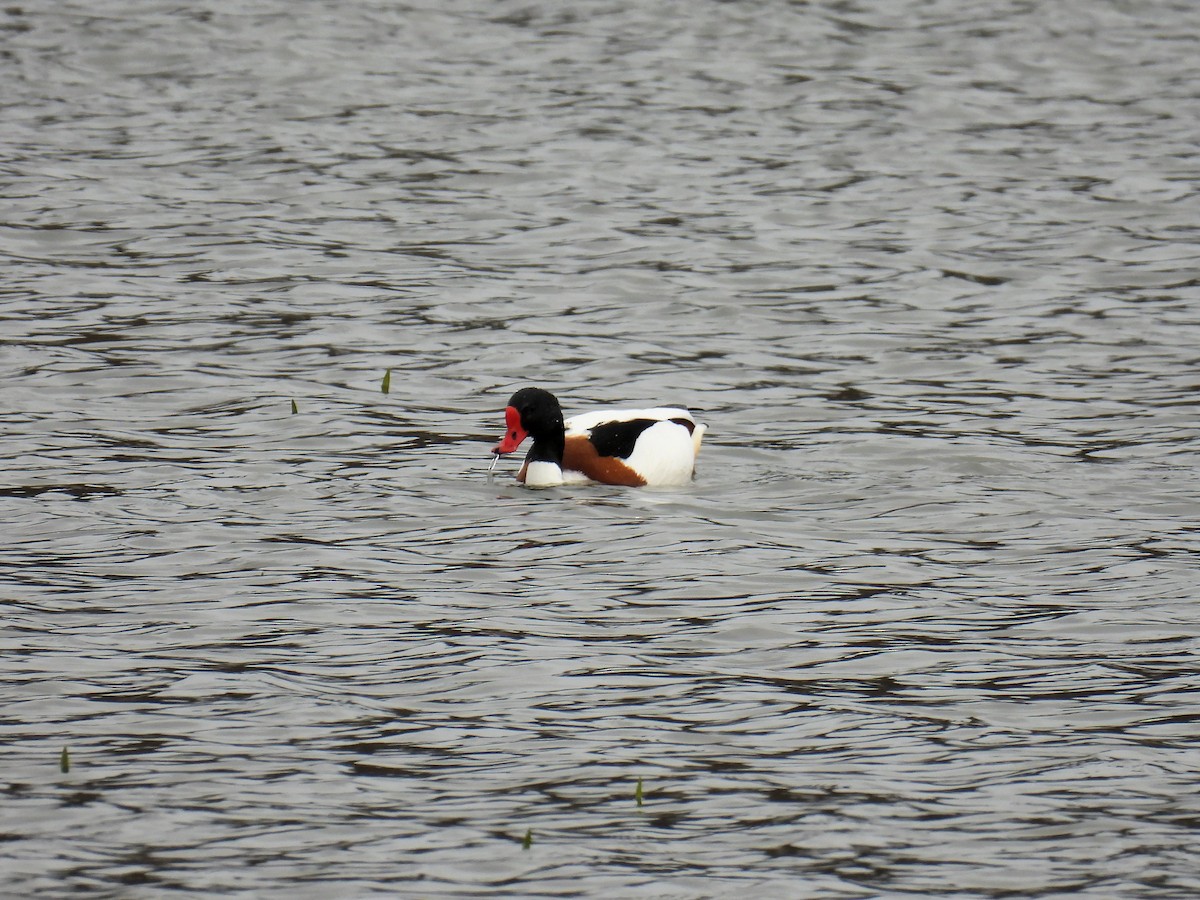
(618,438)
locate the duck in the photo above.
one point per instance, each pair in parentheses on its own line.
(654,447)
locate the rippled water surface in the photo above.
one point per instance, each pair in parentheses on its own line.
(924,624)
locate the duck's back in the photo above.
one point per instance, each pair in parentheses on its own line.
(655,446)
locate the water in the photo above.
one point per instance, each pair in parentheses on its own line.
(924,624)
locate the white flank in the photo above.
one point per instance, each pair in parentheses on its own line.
(664,455)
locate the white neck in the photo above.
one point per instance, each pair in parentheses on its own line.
(540,473)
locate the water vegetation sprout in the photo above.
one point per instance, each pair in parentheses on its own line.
(64,760)
(637,793)
(294,409)
(387,382)
(527,841)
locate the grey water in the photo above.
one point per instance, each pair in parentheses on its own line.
(924,625)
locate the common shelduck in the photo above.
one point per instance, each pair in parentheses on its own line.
(632,447)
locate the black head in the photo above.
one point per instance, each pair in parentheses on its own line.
(539,411)
(532,412)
